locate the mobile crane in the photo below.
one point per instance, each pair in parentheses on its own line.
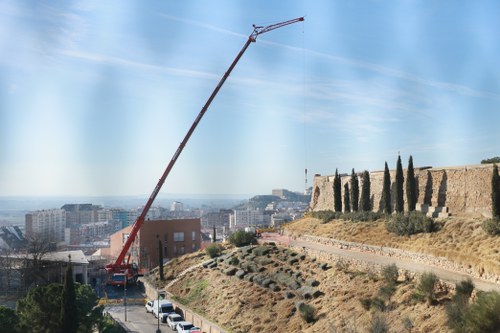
(122,271)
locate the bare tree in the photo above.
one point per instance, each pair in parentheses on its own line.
(33,266)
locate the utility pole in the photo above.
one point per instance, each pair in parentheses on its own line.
(125,295)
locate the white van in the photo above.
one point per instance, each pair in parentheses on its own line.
(162,309)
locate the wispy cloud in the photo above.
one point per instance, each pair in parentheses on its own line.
(391,72)
(372,67)
(110,60)
(202,25)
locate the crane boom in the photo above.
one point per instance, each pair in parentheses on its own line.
(119,266)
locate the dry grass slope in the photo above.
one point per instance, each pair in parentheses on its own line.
(460,239)
(242,306)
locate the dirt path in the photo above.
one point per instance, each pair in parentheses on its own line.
(373,258)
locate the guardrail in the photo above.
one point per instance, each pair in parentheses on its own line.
(119,301)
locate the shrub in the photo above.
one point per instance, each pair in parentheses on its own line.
(362,216)
(326,215)
(407,324)
(465,288)
(378,304)
(484,314)
(411,223)
(242,238)
(426,286)
(234,261)
(387,290)
(492,226)
(366,303)
(390,274)
(213,250)
(307,312)
(378,324)
(459,305)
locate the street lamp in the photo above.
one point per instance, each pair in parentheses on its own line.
(125,294)
(158,311)
(158,294)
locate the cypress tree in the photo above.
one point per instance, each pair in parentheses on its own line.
(399,187)
(355,191)
(411,187)
(495,193)
(386,192)
(160,259)
(365,193)
(347,198)
(69,316)
(337,192)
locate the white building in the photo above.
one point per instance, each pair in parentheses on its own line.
(248,217)
(176,206)
(46,224)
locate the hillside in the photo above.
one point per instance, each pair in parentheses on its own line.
(460,239)
(259,289)
(265,299)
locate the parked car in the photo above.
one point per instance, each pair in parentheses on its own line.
(173,319)
(186,327)
(149,306)
(162,309)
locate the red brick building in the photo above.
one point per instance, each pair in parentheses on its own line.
(177,237)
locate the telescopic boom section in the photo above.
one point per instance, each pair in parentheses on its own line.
(119,265)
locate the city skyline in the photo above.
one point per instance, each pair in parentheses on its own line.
(96,97)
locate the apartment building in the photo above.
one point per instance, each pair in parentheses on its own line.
(242,218)
(46,224)
(177,237)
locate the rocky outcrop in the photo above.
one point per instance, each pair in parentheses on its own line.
(269,267)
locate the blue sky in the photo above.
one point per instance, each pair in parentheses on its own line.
(95,96)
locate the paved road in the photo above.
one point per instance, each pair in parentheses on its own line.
(384,260)
(138,320)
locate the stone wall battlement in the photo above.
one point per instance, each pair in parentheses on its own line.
(465,189)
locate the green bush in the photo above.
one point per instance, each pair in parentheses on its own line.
(213,250)
(484,314)
(366,303)
(9,321)
(378,304)
(325,215)
(492,226)
(390,273)
(411,223)
(387,290)
(459,306)
(234,261)
(465,288)
(362,216)
(426,286)
(242,238)
(307,312)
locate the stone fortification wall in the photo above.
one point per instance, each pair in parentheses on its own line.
(464,189)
